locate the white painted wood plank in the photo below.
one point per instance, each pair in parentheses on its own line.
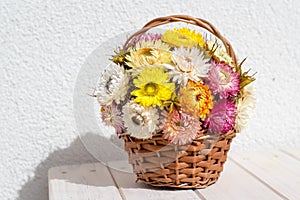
(77,182)
(236,183)
(131,190)
(295,152)
(277,169)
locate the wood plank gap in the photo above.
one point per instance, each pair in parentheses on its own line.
(259,179)
(116,184)
(200,195)
(289,154)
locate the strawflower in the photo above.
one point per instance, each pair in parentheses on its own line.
(141,122)
(179,127)
(223,81)
(189,64)
(153,87)
(195,99)
(112,86)
(112,116)
(222,117)
(183,37)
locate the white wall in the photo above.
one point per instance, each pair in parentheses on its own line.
(44,43)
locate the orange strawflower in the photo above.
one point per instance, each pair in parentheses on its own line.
(196,99)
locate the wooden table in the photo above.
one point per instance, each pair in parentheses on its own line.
(257,175)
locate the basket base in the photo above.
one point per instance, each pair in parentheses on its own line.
(182,186)
(160,164)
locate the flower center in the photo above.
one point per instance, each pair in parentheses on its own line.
(187,67)
(223,78)
(187,59)
(137,119)
(145,52)
(151,89)
(182,36)
(180,124)
(199,97)
(109,85)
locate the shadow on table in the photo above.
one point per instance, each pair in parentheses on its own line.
(36,188)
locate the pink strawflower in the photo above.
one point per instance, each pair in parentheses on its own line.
(179,127)
(146,37)
(222,80)
(222,117)
(112,116)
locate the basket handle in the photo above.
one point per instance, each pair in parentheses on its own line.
(187,19)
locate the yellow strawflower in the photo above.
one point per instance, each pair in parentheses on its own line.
(154,87)
(148,53)
(183,37)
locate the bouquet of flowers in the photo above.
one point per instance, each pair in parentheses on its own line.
(177,84)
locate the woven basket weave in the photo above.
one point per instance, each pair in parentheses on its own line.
(197,165)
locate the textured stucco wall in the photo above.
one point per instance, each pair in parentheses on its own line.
(44,43)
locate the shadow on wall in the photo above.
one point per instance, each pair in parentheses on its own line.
(37,187)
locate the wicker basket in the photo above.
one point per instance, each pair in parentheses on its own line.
(198,165)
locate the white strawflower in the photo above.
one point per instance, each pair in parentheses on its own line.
(113,85)
(245,107)
(141,122)
(190,64)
